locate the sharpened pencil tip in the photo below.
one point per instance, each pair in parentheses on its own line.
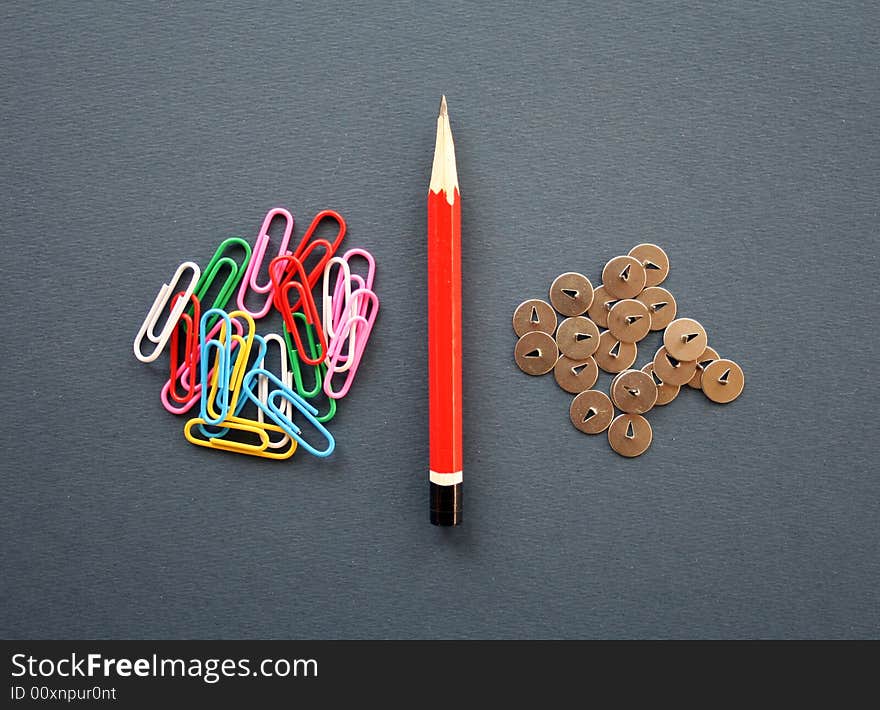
(444,176)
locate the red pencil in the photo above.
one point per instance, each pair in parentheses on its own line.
(444,328)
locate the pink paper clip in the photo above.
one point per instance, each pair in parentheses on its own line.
(363,284)
(341,300)
(253,269)
(364,326)
(371,264)
(357,282)
(339,304)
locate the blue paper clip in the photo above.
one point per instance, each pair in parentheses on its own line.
(288,426)
(274,412)
(223,370)
(236,353)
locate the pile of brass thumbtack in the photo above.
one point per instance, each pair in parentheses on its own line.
(628,305)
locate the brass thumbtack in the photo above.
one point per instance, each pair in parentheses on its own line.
(613,355)
(634,392)
(672,370)
(629,320)
(534,315)
(571,294)
(575,376)
(685,339)
(577,337)
(624,277)
(630,435)
(536,353)
(591,412)
(723,381)
(655,261)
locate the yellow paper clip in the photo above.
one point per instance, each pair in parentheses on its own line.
(243,425)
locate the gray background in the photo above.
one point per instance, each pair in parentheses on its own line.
(743,137)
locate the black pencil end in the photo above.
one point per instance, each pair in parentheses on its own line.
(446,508)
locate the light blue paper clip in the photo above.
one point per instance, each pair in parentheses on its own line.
(271,410)
(261,353)
(224,366)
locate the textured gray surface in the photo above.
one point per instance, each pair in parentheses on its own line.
(741,136)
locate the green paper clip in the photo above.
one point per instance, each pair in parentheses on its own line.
(218,262)
(296,368)
(331,410)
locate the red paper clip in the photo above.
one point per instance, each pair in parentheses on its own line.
(305,248)
(288,273)
(191,350)
(282,270)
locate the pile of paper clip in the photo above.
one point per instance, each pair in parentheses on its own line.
(218,360)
